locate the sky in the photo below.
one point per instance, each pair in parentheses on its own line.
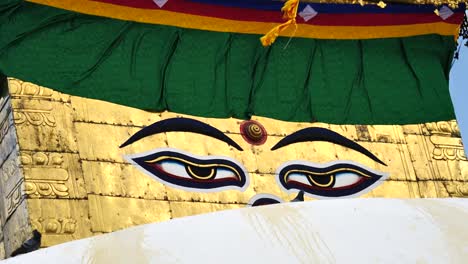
(459,92)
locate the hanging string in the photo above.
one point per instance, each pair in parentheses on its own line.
(463,35)
(289,13)
(464,29)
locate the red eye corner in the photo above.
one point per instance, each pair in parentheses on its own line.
(253,132)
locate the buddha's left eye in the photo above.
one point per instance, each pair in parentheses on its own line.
(337,179)
(186,171)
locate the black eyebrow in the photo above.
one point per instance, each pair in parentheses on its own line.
(181,124)
(323,134)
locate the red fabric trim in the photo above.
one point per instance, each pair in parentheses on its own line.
(244,14)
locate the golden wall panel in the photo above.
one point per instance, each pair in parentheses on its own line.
(266,183)
(204,146)
(434,189)
(52,175)
(94,142)
(227,196)
(90,111)
(181,209)
(44,125)
(457,189)
(268,161)
(415,129)
(123,180)
(421,157)
(395,189)
(59,220)
(463,169)
(282,128)
(109,214)
(396,156)
(371,133)
(79,183)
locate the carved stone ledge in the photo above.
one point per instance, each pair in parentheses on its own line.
(5,124)
(14,198)
(8,169)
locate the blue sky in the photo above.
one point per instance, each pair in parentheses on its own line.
(459,92)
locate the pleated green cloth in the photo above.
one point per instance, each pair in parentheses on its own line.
(213,74)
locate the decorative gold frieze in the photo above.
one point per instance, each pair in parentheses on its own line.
(52,174)
(19,88)
(44,175)
(46,189)
(33,112)
(25,90)
(449,153)
(449,128)
(35,118)
(55,225)
(447,148)
(42,159)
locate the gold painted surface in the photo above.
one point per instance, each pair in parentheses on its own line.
(180,209)
(79,183)
(38,119)
(109,214)
(60,220)
(52,175)
(118,179)
(396,189)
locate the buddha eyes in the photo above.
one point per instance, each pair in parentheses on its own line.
(186,171)
(337,179)
(183,170)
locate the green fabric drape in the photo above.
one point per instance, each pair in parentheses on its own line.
(212,74)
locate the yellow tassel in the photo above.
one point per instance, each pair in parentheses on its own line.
(289,13)
(382,4)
